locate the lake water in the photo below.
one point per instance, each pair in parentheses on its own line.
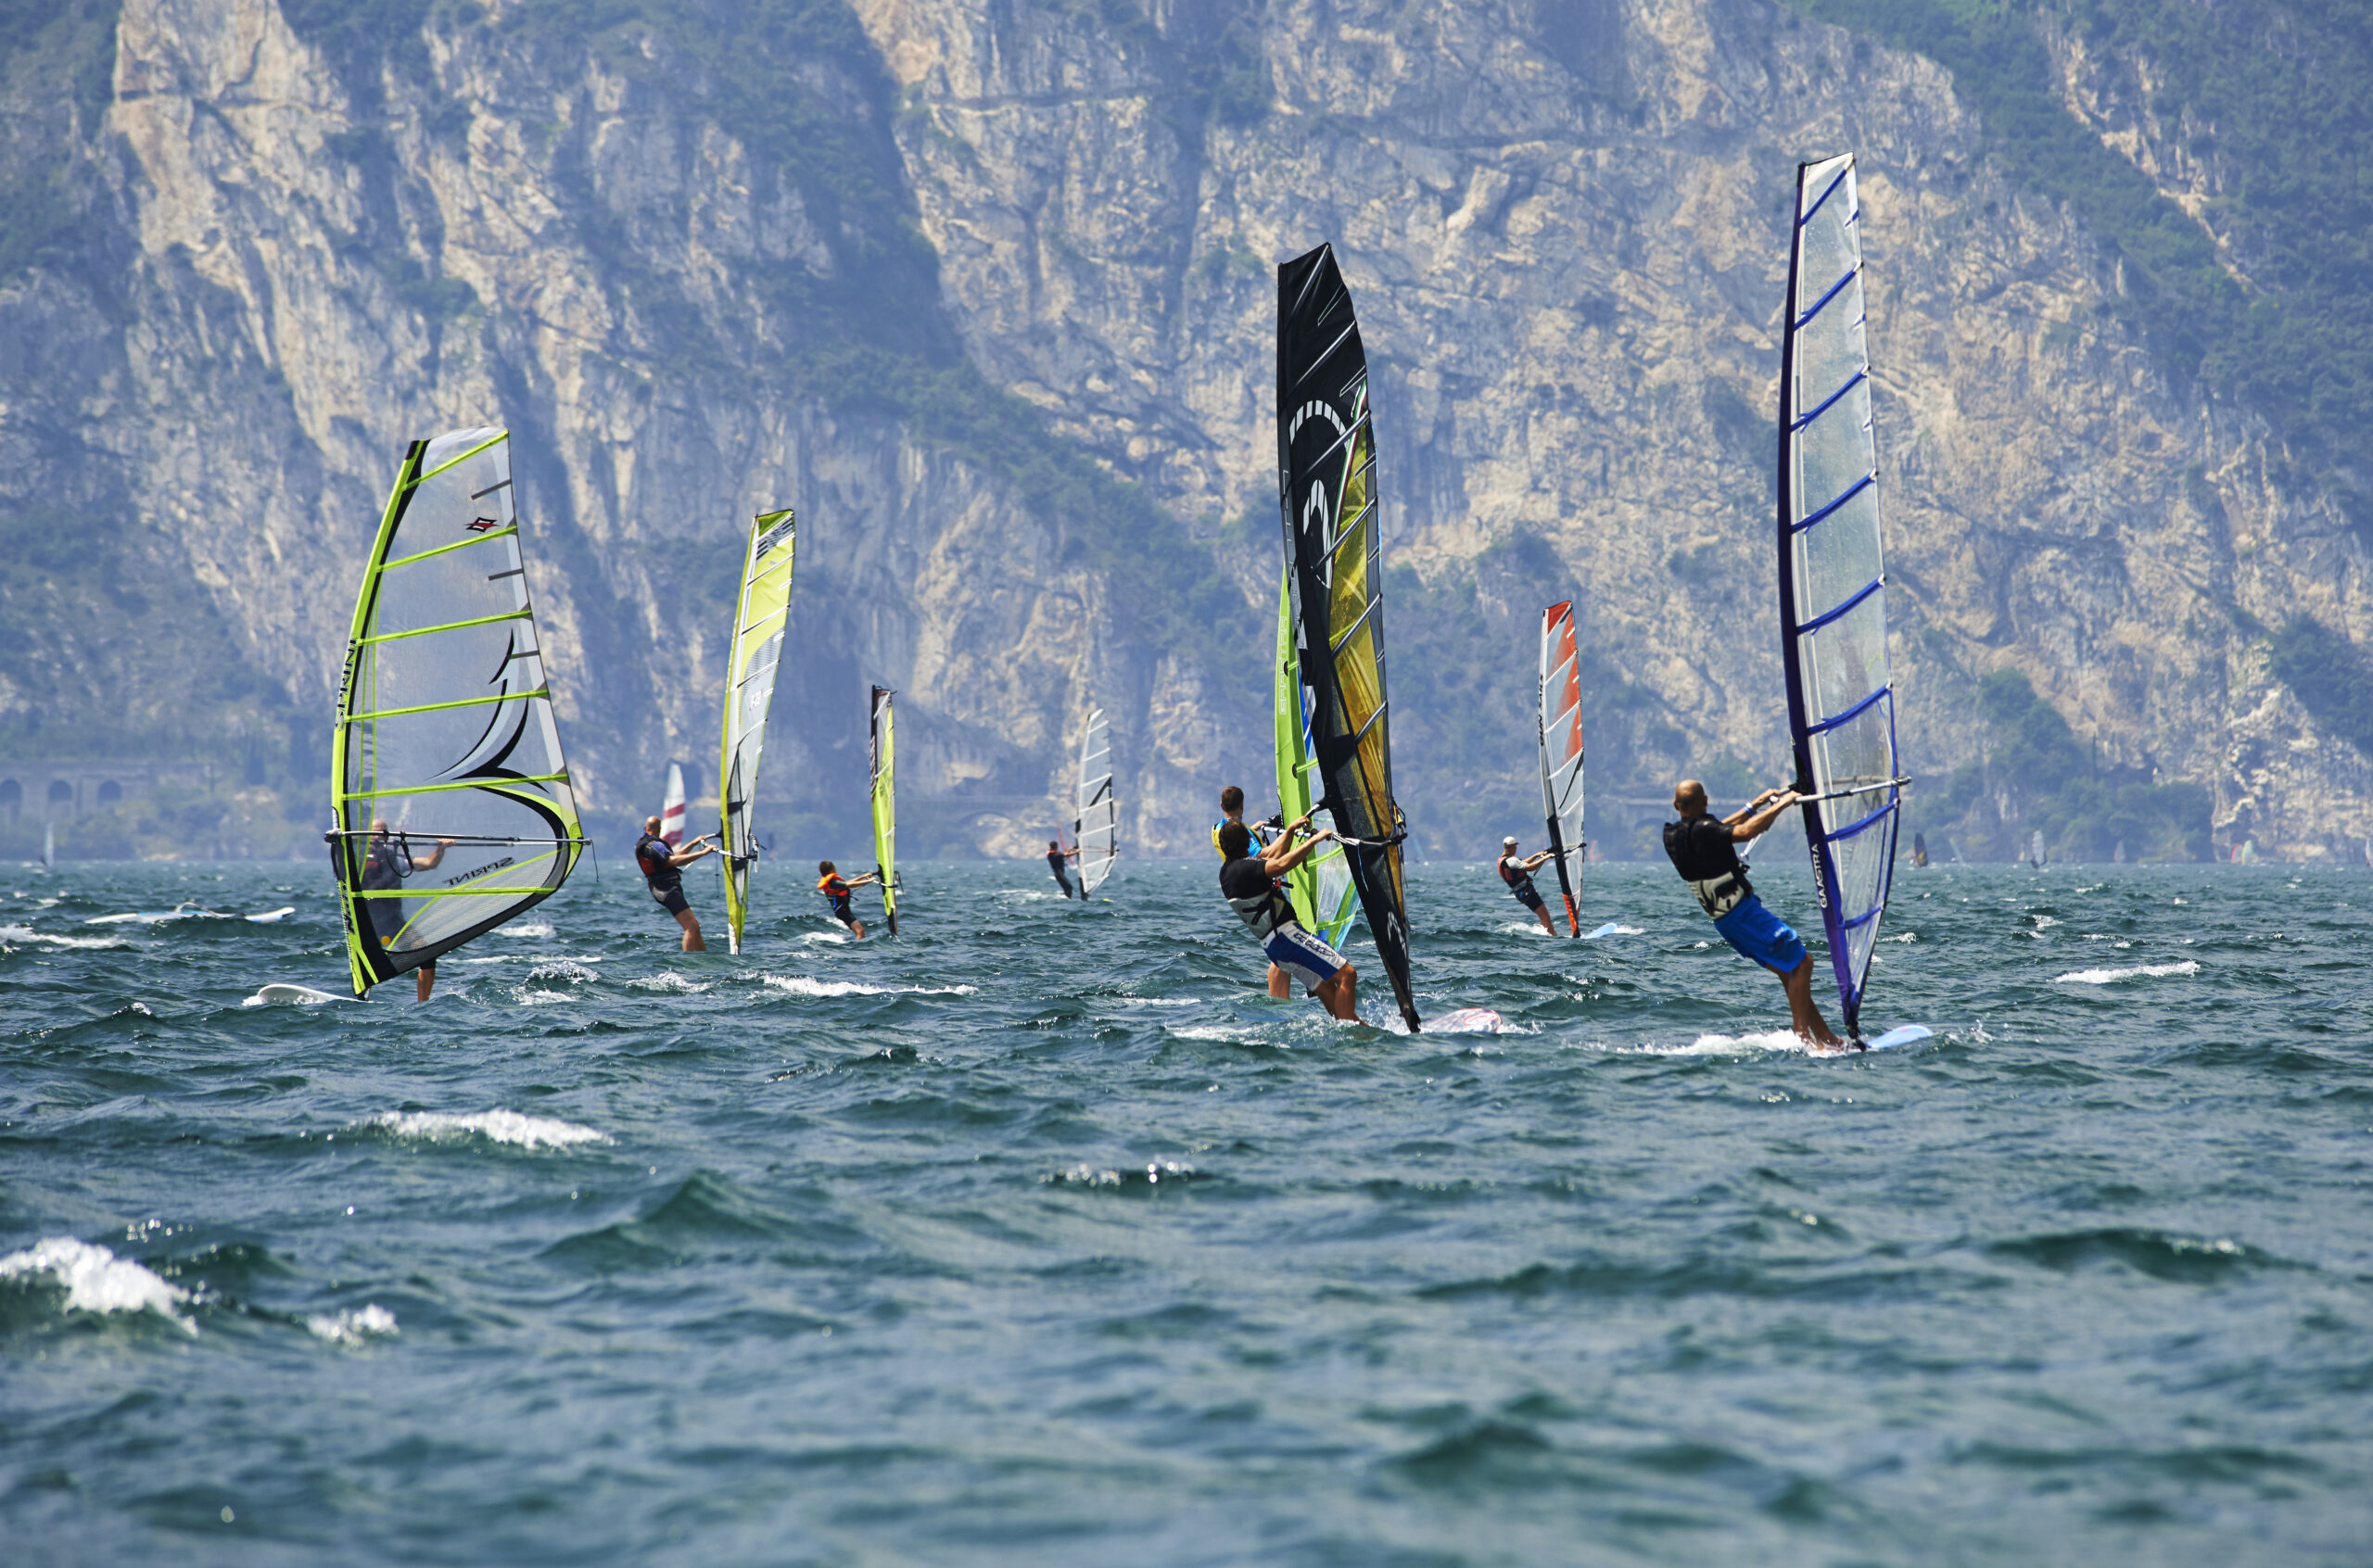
(1039,1235)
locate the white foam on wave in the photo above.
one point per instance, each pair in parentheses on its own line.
(529,928)
(300,995)
(803,985)
(2140,971)
(835,938)
(97,1280)
(1717,1045)
(496,1126)
(565,969)
(354,1327)
(1211,1031)
(1902,936)
(1155,1002)
(12,934)
(668,981)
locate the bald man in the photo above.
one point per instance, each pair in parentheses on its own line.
(663,872)
(1704,851)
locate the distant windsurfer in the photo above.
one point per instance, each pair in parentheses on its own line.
(1517,874)
(1262,835)
(1249,882)
(1056,855)
(386,863)
(836,890)
(662,866)
(1704,851)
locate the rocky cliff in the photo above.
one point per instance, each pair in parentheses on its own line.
(984,291)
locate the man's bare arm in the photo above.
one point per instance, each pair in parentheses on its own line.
(1755,827)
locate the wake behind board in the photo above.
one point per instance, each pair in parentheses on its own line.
(1465,1020)
(304,995)
(1903,1034)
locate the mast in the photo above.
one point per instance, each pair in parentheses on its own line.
(1335,581)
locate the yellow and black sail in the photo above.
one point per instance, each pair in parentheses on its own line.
(1335,585)
(760,612)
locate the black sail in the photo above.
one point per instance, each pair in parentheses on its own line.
(1335,581)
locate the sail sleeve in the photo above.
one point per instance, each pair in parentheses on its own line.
(1326,472)
(885,804)
(452,804)
(760,612)
(1324,899)
(1096,828)
(1561,752)
(1833,579)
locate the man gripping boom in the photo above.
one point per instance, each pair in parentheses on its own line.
(1704,851)
(1249,882)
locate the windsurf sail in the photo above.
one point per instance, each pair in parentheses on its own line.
(452,802)
(1096,829)
(1335,587)
(885,808)
(2034,849)
(48,845)
(671,808)
(1561,752)
(1833,579)
(1324,899)
(1920,849)
(760,611)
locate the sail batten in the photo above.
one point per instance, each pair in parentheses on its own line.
(445,766)
(1334,594)
(761,610)
(1833,579)
(1096,830)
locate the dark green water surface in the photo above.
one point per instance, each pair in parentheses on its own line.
(1040,1236)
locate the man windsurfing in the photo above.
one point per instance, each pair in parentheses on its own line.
(662,866)
(1249,882)
(1262,835)
(1704,851)
(1517,874)
(386,863)
(1056,855)
(836,890)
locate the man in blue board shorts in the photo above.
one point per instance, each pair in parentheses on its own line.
(663,872)
(1249,882)
(1263,835)
(1704,851)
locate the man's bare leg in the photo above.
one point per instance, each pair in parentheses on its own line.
(857,926)
(1281,985)
(692,924)
(1802,1013)
(1546,923)
(1340,997)
(425,981)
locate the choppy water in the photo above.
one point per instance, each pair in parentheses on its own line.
(1040,1236)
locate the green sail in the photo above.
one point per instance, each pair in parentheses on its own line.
(759,613)
(1324,898)
(885,805)
(452,805)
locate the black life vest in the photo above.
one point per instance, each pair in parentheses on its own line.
(1255,897)
(1707,858)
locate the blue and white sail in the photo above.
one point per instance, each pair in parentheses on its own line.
(1833,579)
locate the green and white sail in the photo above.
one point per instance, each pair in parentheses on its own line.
(760,611)
(885,805)
(1324,898)
(444,731)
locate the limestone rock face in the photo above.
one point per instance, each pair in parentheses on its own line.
(1564,224)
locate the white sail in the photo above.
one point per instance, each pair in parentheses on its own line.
(671,808)
(1560,719)
(883,755)
(1096,827)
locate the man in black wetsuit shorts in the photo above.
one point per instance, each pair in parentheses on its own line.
(663,869)
(1056,855)
(1517,874)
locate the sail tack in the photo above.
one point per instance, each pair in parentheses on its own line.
(1833,579)
(1324,899)
(1335,582)
(453,808)
(1561,752)
(760,612)
(885,805)
(1096,827)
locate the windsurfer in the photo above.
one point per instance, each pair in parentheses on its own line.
(1262,835)
(1056,855)
(1517,874)
(662,870)
(1704,851)
(836,890)
(1249,882)
(386,863)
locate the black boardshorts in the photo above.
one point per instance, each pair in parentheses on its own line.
(671,899)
